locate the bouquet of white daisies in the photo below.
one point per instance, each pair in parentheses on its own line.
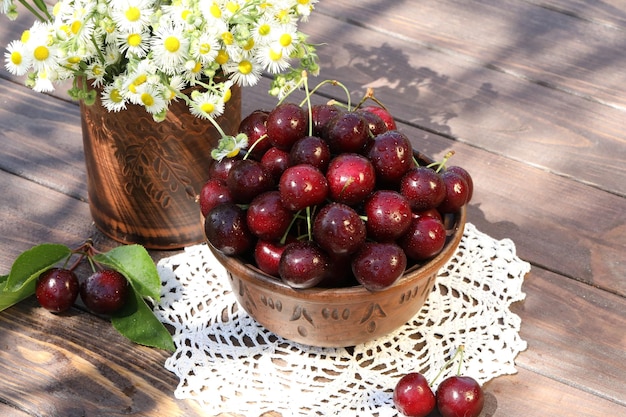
(150,52)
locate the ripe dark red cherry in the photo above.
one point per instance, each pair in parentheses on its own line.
(302,186)
(347,132)
(56,289)
(310,150)
(423,187)
(413,397)
(267,256)
(105,291)
(276,161)
(378,265)
(391,153)
(220,169)
(266,216)
(374,122)
(321,115)
(247,179)
(254,128)
(388,215)
(338,229)
(303,264)
(460,396)
(457,192)
(227,230)
(351,178)
(467,177)
(424,239)
(383,114)
(213,192)
(285,124)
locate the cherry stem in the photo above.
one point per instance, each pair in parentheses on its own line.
(369,95)
(295,217)
(249,151)
(442,164)
(308,101)
(459,350)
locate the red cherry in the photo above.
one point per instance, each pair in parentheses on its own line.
(302,186)
(413,397)
(303,264)
(351,178)
(378,265)
(457,192)
(383,114)
(105,291)
(57,289)
(285,124)
(266,216)
(460,396)
(424,239)
(212,193)
(388,215)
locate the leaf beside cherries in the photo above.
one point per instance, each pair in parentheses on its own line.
(328,196)
(122,282)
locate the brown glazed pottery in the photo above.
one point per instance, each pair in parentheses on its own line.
(339,317)
(143,176)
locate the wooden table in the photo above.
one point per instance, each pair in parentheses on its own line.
(530,94)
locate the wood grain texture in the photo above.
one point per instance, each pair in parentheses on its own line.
(459,98)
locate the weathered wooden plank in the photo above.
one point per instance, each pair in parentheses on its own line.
(455,97)
(77,365)
(9,411)
(575,334)
(531,394)
(603,12)
(541,43)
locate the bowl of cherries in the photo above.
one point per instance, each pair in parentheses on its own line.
(331,227)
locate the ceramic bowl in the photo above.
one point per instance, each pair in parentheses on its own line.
(337,317)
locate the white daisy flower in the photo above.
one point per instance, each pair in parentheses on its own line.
(132,15)
(113,98)
(244,72)
(263,29)
(42,52)
(17,60)
(133,43)
(206,105)
(43,84)
(273,59)
(96,72)
(151,97)
(205,47)
(286,36)
(170,48)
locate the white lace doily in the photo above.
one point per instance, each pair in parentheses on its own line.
(229,363)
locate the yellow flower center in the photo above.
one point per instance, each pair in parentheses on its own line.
(116,96)
(41,53)
(249,45)
(245,67)
(73,60)
(227,96)
(208,108)
(222,57)
(185,14)
(147,99)
(16,58)
(228,38)
(133,14)
(276,55)
(196,69)
(134,39)
(265,29)
(76,25)
(285,39)
(205,48)
(232,6)
(303,2)
(25,36)
(215,10)
(172,44)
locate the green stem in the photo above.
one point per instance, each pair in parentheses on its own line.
(35,12)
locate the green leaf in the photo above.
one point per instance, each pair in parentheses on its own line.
(135,263)
(138,323)
(31,263)
(9,298)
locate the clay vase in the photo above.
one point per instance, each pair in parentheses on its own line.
(143,177)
